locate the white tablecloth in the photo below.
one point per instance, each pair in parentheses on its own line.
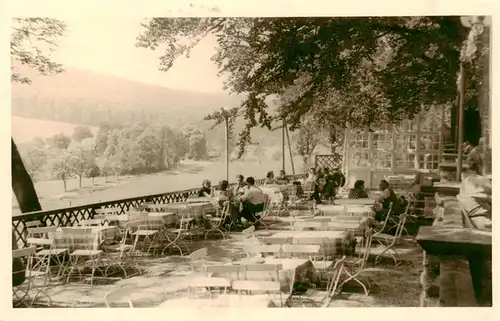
(221,301)
(332,242)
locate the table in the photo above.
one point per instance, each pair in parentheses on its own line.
(332,242)
(348,210)
(222,301)
(357,201)
(293,272)
(99,234)
(190,209)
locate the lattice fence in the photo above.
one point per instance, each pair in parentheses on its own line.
(74,215)
(331,161)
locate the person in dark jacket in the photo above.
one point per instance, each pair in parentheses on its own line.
(358,191)
(323,190)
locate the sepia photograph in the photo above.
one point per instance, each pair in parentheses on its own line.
(251,162)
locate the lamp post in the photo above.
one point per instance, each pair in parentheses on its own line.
(476,24)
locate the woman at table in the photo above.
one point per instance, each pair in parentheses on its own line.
(282,179)
(270,178)
(358,191)
(239,188)
(206,189)
(475,194)
(253,201)
(384,201)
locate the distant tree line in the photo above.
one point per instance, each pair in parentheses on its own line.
(116,150)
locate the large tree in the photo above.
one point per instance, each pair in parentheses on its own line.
(29,38)
(375,68)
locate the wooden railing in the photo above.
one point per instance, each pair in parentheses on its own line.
(71,216)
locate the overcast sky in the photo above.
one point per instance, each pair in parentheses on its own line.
(107,45)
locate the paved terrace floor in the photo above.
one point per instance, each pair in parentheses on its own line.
(165,277)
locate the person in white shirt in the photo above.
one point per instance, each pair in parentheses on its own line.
(253,201)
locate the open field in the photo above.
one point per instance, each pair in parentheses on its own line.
(189,174)
(25,129)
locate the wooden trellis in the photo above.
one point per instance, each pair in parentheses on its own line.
(331,161)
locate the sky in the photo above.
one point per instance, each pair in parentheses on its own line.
(107,45)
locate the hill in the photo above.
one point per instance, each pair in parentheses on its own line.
(80,96)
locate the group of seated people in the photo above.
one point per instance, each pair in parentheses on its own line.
(246,200)
(325,184)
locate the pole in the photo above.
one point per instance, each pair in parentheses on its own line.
(227,145)
(290,150)
(460,123)
(283,145)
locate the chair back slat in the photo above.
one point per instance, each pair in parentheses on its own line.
(259,248)
(222,269)
(38,241)
(77,231)
(202,282)
(250,285)
(41,230)
(276,240)
(299,248)
(263,267)
(23,252)
(33,224)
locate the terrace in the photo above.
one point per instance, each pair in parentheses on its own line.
(166,276)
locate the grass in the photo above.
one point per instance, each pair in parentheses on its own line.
(189,174)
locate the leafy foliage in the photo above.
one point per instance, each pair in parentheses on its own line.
(60,141)
(28,39)
(81,132)
(370,69)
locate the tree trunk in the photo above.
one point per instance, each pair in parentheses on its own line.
(79,181)
(22,185)
(65,187)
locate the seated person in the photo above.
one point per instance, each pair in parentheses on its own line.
(358,191)
(206,189)
(475,195)
(253,201)
(322,190)
(311,175)
(269,178)
(239,187)
(299,191)
(384,201)
(337,179)
(282,179)
(223,192)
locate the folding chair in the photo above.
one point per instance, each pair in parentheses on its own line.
(269,287)
(354,266)
(121,255)
(217,223)
(207,284)
(323,298)
(197,258)
(388,241)
(43,239)
(176,236)
(248,236)
(326,262)
(85,253)
(27,292)
(117,296)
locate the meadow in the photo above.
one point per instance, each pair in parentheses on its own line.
(189,174)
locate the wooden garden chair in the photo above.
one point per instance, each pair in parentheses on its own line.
(85,252)
(47,252)
(36,279)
